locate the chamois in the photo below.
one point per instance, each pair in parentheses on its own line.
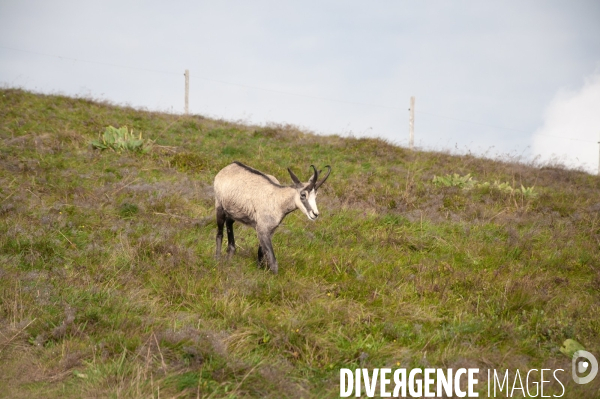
(245,195)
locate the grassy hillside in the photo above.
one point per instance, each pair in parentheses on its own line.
(109,287)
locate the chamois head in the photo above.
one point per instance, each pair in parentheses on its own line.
(306,193)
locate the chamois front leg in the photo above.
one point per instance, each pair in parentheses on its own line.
(260,255)
(220,223)
(230,237)
(264,237)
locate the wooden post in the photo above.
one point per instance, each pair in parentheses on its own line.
(411,123)
(187,91)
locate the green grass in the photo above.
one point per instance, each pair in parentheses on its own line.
(109,287)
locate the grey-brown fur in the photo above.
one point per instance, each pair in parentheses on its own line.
(246,195)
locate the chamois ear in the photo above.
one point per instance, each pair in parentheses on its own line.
(325,178)
(294,177)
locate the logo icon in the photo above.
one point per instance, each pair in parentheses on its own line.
(584,367)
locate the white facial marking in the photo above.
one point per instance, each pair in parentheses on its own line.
(312,201)
(309,197)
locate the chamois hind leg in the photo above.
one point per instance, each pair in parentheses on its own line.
(220,223)
(230,237)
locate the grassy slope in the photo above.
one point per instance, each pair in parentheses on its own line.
(108,286)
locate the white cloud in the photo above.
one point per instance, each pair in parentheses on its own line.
(571,128)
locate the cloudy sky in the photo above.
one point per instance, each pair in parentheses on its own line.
(511,77)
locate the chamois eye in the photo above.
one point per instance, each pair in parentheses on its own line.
(303,195)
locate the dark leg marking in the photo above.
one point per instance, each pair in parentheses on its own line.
(220,223)
(230,238)
(265,244)
(261,256)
